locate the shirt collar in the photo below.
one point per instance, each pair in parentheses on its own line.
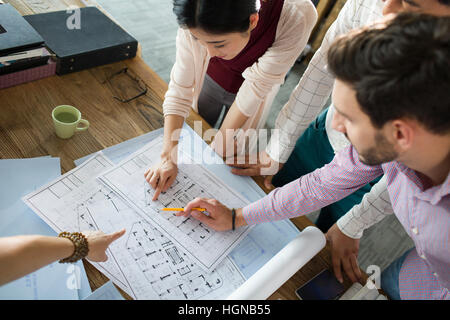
(432,195)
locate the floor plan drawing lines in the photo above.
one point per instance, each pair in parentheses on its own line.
(60,192)
(180,193)
(63,205)
(169,271)
(206,247)
(143,262)
(154,266)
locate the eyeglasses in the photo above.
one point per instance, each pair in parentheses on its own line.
(140,84)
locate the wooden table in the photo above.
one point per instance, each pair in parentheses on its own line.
(26,128)
(328,11)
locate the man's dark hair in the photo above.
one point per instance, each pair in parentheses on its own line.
(215,16)
(401,70)
(445,2)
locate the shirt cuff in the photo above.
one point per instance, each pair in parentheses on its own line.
(277,151)
(350,226)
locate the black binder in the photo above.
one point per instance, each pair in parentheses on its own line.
(16,34)
(98,41)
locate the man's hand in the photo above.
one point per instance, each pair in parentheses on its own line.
(256,165)
(161,176)
(219,216)
(344,253)
(98,242)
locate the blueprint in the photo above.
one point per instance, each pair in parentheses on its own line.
(143,262)
(153,265)
(264,240)
(205,246)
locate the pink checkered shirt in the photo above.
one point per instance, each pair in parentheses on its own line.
(425,214)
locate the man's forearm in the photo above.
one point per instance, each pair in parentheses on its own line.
(344,175)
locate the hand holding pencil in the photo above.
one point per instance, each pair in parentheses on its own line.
(219,216)
(181,209)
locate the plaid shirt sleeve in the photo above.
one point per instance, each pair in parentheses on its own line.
(374,206)
(311,93)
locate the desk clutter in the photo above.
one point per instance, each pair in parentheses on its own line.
(36,46)
(23,55)
(83,38)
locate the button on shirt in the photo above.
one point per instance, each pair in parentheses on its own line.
(425,214)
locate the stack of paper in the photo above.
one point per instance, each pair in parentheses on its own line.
(56,281)
(359,292)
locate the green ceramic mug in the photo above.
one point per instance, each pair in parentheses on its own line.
(66,120)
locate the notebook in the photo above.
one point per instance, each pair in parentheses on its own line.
(16,34)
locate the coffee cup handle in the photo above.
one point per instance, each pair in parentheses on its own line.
(85,124)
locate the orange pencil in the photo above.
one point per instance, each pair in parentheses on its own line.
(181,209)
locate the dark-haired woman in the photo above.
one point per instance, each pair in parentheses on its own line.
(232,55)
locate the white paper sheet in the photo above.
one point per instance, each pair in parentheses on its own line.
(78,202)
(205,246)
(106,292)
(120,151)
(155,268)
(62,205)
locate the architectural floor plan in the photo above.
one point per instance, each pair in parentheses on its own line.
(155,267)
(143,262)
(62,204)
(203,245)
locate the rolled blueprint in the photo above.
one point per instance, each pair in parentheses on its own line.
(282,266)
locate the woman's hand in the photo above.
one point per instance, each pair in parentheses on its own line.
(256,165)
(98,242)
(161,176)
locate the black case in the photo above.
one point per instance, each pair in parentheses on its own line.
(24,64)
(16,34)
(99,40)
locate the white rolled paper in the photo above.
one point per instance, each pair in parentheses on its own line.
(282,266)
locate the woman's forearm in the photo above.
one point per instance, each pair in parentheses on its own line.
(22,255)
(224,143)
(172,129)
(234,119)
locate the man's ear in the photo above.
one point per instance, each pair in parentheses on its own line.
(254,18)
(403,133)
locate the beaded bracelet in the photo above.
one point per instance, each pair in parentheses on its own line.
(79,242)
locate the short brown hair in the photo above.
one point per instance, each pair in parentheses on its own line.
(401,70)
